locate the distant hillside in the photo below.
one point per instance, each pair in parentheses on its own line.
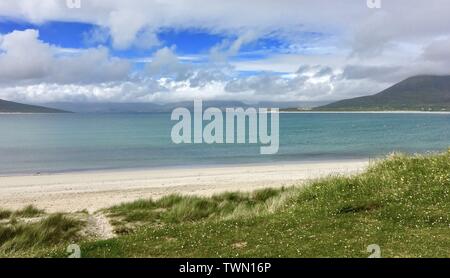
(14,107)
(423,93)
(106,107)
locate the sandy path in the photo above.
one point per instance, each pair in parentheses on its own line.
(95,190)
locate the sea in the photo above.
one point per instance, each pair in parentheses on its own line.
(55,143)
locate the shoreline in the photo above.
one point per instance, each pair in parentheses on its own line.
(94,190)
(367,112)
(174,167)
(280,112)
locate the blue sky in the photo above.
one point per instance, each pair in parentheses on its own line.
(73,35)
(187,42)
(150,51)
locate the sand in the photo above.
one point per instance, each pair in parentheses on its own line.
(70,192)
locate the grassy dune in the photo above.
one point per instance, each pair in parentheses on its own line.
(25,231)
(401,204)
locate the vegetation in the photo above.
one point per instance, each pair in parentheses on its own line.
(418,93)
(28,212)
(30,228)
(401,204)
(176,209)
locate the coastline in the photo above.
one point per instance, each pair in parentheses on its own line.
(91,191)
(367,112)
(178,167)
(280,112)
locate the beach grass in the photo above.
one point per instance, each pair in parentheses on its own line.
(29,229)
(176,209)
(5,214)
(27,212)
(401,203)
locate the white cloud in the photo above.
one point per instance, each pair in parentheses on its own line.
(165,62)
(438,50)
(364,31)
(24,58)
(125,19)
(226,49)
(369,28)
(96,36)
(364,50)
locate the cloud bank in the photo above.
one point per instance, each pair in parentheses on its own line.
(357,50)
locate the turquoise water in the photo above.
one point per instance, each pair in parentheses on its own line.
(76,142)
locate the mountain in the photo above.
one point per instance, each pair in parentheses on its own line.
(104,107)
(111,107)
(422,93)
(14,107)
(168,107)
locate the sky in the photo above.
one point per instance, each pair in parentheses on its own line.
(254,50)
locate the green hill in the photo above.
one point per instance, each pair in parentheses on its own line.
(14,107)
(423,93)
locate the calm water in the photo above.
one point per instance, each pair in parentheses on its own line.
(70,142)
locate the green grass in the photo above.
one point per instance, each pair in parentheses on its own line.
(176,209)
(20,235)
(28,212)
(5,214)
(401,203)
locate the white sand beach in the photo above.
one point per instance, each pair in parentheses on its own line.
(71,192)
